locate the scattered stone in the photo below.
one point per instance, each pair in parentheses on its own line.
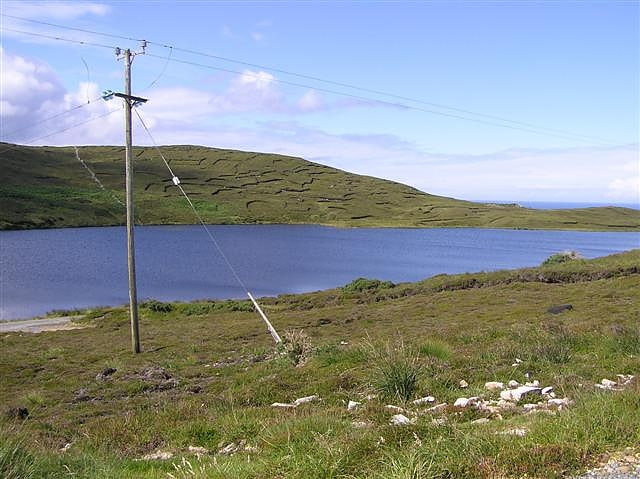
(608,384)
(560,403)
(105,373)
(344,343)
(400,420)
(199,450)
(232,448)
(503,404)
(620,465)
(158,377)
(513,384)
(461,402)
(437,408)
(560,308)
(352,405)
(282,405)
(482,420)
(424,400)
(295,403)
(535,383)
(518,393)
(547,390)
(625,379)
(516,363)
(66,447)
(517,431)
(394,408)
(158,456)
(529,407)
(493,385)
(82,395)
(305,399)
(464,384)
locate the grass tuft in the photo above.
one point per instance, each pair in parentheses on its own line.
(395,369)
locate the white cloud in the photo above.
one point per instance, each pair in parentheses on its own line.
(310,101)
(31,91)
(258,37)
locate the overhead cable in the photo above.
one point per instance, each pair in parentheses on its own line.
(575,136)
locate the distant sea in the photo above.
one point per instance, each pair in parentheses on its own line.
(559,205)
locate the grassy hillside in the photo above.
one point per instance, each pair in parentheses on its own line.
(48,187)
(201,392)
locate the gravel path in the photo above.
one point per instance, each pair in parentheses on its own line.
(39,325)
(622,465)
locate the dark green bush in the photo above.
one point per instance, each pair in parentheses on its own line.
(560,258)
(363,284)
(157,306)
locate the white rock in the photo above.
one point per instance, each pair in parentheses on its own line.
(158,456)
(493,385)
(439,421)
(464,384)
(534,383)
(529,407)
(229,449)
(305,399)
(608,383)
(424,400)
(343,343)
(283,405)
(564,402)
(461,402)
(518,360)
(517,431)
(352,405)
(502,404)
(400,420)
(394,408)
(519,392)
(66,447)
(513,383)
(198,450)
(625,379)
(482,420)
(547,390)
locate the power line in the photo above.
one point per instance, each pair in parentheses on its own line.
(62,130)
(566,134)
(39,22)
(375,100)
(77,107)
(62,39)
(195,211)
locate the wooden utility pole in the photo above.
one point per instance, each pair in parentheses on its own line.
(131,259)
(129,102)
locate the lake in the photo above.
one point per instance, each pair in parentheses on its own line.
(42,270)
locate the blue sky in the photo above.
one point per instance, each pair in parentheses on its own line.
(571,66)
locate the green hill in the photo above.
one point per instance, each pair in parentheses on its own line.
(47,187)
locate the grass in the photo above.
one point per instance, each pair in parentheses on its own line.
(220,374)
(46,187)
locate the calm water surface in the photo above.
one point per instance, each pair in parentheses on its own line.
(44,270)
